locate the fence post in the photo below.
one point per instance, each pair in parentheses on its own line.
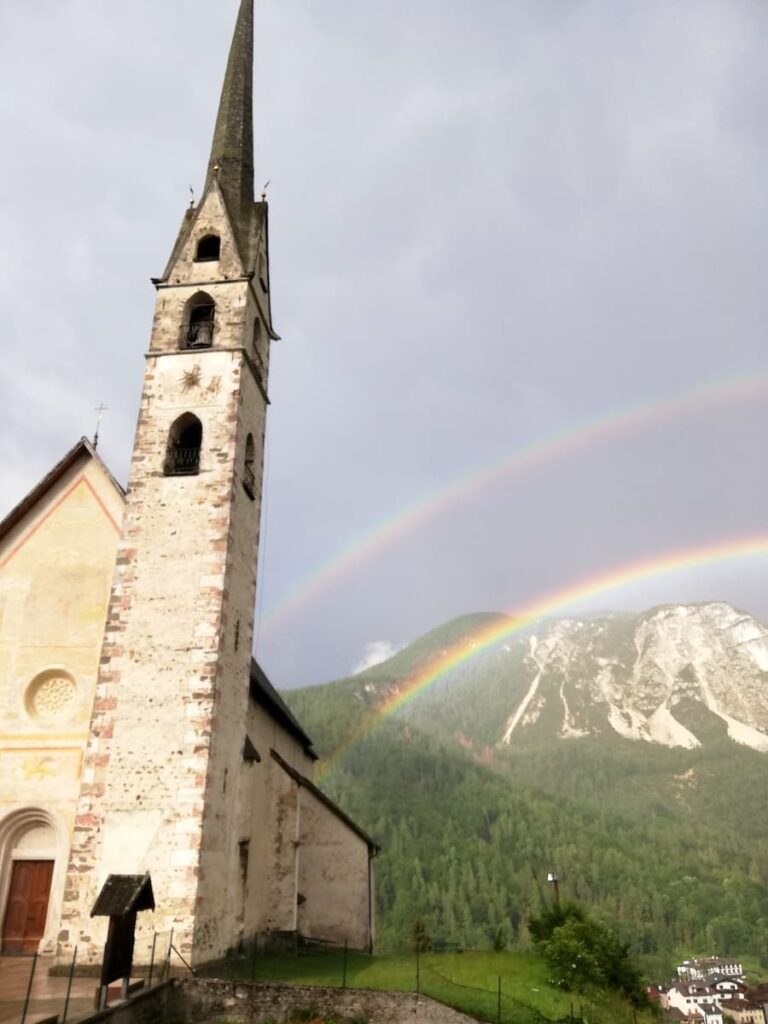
(344,969)
(418,978)
(186,963)
(498,1003)
(254,951)
(69,987)
(29,988)
(167,964)
(152,959)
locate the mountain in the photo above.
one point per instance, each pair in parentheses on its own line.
(627,752)
(644,676)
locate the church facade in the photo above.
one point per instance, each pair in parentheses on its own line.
(140,735)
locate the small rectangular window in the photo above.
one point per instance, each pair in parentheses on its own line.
(243,852)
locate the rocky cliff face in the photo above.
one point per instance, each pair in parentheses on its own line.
(665,676)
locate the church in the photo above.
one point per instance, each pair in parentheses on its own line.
(138,733)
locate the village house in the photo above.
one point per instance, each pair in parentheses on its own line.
(705,1014)
(728,988)
(711,1013)
(702,967)
(742,1011)
(688,996)
(714,996)
(759,996)
(698,1013)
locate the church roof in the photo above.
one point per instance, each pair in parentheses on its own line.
(302,780)
(28,502)
(264,693)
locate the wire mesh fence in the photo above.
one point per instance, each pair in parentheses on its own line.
(490,987)
(482,1003)
(464,981)
(501,1007)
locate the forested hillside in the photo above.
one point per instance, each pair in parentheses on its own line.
(669,844)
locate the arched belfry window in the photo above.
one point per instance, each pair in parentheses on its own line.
(249,468)
(199,321)
(185,440)
(208,249)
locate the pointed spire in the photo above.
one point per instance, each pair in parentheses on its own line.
(232,151)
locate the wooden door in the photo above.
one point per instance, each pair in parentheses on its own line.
(27,907)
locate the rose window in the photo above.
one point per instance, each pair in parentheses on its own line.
(51,695)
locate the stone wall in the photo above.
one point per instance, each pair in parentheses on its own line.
(268,824)
(156,1005)
(335,901)
(198,1001)
(214,1002)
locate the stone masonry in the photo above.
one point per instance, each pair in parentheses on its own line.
(197,1001)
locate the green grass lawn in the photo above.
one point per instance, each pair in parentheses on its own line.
(467,981)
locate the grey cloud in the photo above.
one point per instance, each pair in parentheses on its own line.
(488,221)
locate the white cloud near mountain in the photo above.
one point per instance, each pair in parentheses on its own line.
(375,653)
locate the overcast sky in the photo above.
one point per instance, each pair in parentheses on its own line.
(490,222)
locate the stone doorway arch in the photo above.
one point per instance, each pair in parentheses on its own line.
(35,834)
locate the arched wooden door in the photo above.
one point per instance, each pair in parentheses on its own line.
(27,907)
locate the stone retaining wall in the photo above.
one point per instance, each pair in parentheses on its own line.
(199,1001)
(154,1005)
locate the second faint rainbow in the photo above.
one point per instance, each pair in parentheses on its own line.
(387,532)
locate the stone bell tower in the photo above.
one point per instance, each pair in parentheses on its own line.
(160,788)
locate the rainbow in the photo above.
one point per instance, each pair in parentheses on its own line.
(390,530)
(476,643)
